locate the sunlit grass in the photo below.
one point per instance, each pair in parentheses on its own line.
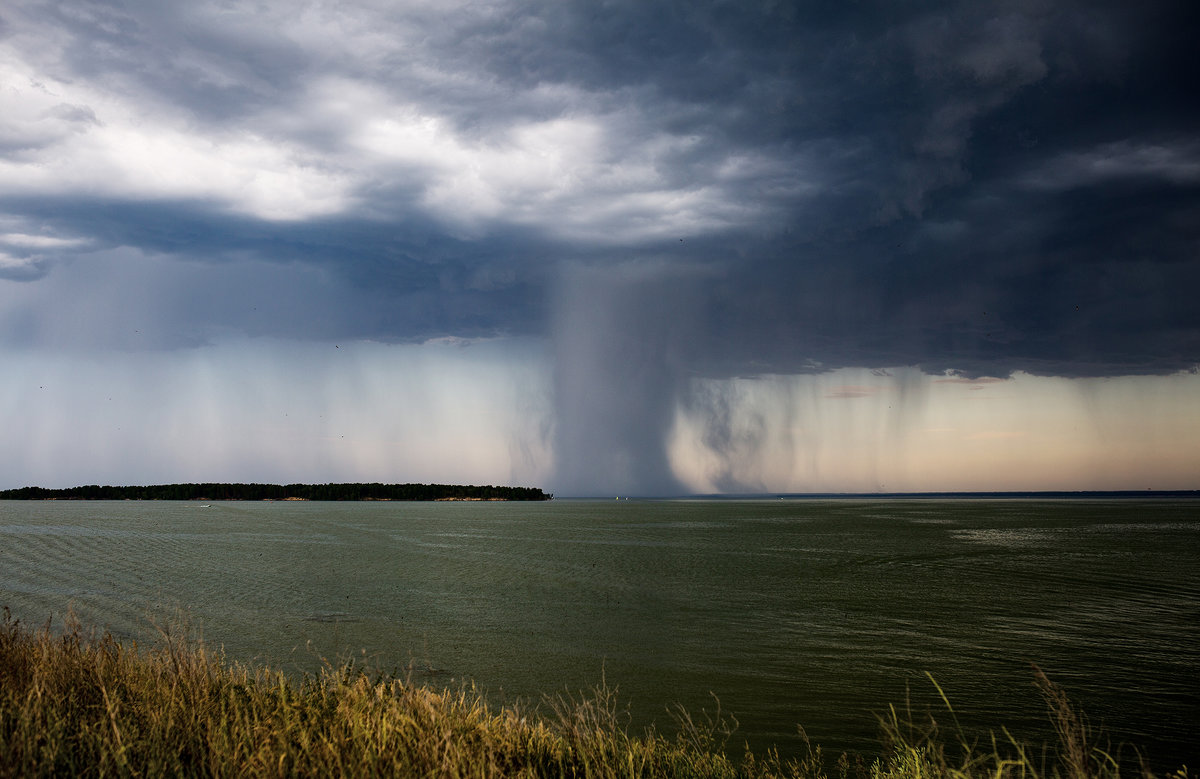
(72,704)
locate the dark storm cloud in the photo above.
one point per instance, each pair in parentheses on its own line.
(975,187)
(325,278)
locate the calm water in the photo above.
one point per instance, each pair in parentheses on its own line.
(817,613)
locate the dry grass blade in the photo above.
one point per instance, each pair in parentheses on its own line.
(1079,756)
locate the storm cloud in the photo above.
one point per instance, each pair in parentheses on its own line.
(665,194)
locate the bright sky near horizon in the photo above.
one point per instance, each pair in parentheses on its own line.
(601,248)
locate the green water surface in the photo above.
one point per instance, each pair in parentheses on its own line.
(817,613)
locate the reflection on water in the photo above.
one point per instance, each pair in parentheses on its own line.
(811,612)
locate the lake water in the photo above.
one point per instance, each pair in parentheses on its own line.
(818,613)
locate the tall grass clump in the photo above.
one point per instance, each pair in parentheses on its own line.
(77,705)
(921,748)
(84,705)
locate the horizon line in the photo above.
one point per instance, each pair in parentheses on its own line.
(1193,493)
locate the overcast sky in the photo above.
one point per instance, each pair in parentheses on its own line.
(639,247)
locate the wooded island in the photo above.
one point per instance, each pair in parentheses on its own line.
(374,491)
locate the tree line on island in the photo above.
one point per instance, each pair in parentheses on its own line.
(216,491)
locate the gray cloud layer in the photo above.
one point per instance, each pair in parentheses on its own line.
(980,187)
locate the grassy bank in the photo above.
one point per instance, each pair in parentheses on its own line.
(77,705)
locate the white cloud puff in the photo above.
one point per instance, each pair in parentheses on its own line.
(70,138)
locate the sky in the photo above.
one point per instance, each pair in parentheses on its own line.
(603,248)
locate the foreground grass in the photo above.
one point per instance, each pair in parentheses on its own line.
(76,705)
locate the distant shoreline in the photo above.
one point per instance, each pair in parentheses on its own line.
(283,492)
(472,493)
